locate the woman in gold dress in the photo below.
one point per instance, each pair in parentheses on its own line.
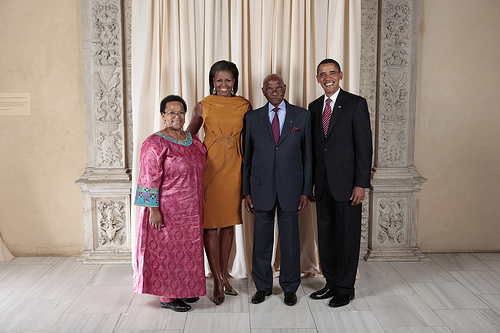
(221,114)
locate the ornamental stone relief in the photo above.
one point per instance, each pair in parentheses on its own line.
(109,145)
(368,59)
(111,222)
(395,83)
(391,220)
(367,89)
(128,80)
(108,95)
(106,30)
(108,83)
(364,224)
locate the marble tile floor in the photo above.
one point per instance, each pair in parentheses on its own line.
(445,292)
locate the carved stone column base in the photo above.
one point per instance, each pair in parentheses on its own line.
(394,215)
(394,255)
(106,215)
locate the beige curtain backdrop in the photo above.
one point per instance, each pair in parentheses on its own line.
(174,43)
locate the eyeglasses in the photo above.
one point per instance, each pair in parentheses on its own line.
(173,112)
(278,90)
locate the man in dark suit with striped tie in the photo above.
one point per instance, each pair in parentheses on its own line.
(342,144)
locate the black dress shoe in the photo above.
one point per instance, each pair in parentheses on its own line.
(324,293)
(260,296)
(290,298)
(177,305)
(191,299)
(339,300)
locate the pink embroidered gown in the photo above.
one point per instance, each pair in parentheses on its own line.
(170,262)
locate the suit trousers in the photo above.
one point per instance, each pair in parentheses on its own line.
(263,237)
(339,235)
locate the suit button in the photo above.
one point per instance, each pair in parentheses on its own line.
(276,162)
(276,148)
(325,149)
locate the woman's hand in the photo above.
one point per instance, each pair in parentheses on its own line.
(155,218)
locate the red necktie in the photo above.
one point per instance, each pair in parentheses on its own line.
(275,125)
(327,114)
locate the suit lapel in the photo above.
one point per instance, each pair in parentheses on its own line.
(336,112)
(290,116)
(264,122)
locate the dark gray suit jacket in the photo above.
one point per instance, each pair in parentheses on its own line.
(282,170)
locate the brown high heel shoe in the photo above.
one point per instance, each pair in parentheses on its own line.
(230,292)
(219,300)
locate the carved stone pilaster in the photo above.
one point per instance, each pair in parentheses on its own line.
(395,181)
(368,89)
(106,182)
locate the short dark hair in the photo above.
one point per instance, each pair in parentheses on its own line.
(172,98)
(223,65)
(328,61)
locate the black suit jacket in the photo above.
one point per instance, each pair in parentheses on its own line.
(282,170)
(344,157)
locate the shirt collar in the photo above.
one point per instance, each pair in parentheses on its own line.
(333,97)
(282,106)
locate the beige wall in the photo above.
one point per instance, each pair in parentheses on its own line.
(458,125)
(44,153)
(457,128)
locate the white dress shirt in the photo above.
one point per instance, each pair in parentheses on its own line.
(332,103)
(281,113)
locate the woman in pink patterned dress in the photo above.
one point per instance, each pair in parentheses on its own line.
(169,261)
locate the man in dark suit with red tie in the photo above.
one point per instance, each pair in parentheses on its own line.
(342,157)
(277,179)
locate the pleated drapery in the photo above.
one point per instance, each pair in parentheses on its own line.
(175,42)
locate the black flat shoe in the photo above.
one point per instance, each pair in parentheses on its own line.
(339,300)
(176,305)
(290,298)
(324,293)
(191,299)
(260,296)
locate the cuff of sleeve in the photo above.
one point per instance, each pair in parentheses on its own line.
(146,196)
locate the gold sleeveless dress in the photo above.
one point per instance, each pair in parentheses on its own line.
(223,123)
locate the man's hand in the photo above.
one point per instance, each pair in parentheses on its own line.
(249,203)
(302,203)
(357,196)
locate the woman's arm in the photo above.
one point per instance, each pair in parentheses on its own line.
(196,119)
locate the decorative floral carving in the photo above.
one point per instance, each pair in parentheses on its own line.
(394,82)
(368,59)
(391,220)
(128,80)
(109,144)
(111,222)
(106,32)
(394,96)
(364,221)
(397,23)
(108,95)
(108,84)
